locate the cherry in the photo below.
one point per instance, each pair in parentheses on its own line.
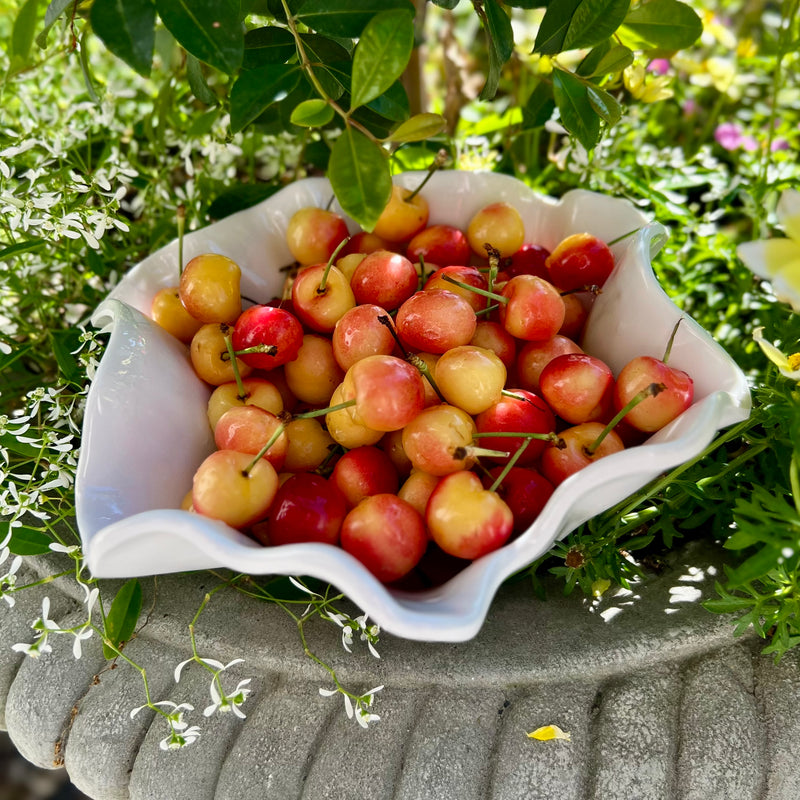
(498,226)
(435,321)
(362,243)
(321,295)
(309,445)
(267,325)
(386,534)
(577,450)
(257,392)
(580,260)
(387,390)
(439,244)
(463,274)
(246,429)
(314,373)
(655,412)
(231,487)
(362,472)
(313,234)
(210,355)
(417,489)
(470,377)
(360,333)
(534,310)
(439,439)
(385,279)
(345,430)
(578,387)
(405,215)
(169,312)
(465,519)
(534,357)
(525,491)
(209,288)
(528,260)
(517,411)
(493,336)
(306,508)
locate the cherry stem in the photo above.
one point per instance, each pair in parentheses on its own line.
(438,162)
(553,438)
(282,427)
(487,310)
(508,467)
(493,295)
(324,281)
(589,287)
(269,349)
(234,365)
(494,266)
(263,451)
(421,283)
(671,340)
(651,390)
(181,221)
(463,451)
(624,236)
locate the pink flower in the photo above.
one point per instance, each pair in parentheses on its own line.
(659,65)
(779,144)
(728,135)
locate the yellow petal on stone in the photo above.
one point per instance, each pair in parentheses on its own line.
(549,732)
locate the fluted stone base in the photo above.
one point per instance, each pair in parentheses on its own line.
(660,700)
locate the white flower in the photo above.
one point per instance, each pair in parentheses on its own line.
(9,580)
(789,366)
(62,548)
(177,739)
(84,633)
(359,709)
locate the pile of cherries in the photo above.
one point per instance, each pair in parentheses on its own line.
(418,391)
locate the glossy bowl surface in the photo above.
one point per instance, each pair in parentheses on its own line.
(145,427)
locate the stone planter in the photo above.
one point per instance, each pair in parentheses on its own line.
(660,700)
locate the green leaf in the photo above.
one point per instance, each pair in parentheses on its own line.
(203,123)
(312,114)
(64,342)
(604,104)
(240,197)
(345,18)
(123,615)
(54,11)
(381,55)
(392,104)
(593,22)
(755,567)
(661,24)
(268,45)
(197,81)
(577,114)
(210,30)
(539,107)
(554,26)
(418,128)
(127,29)
(501,45)
(257,89)
(359,173)
(29,542)
(23,32)
(331,63)
(22,247)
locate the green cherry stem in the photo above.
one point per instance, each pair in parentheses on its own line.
(462,452)
(492,295)
(651,390)
(624,236)
(323,283)
(671,340)
(231,354)
(319,412)
(508,467)
(438,162)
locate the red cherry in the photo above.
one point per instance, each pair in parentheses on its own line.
(260,325)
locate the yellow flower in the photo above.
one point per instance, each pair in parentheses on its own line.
(548,732)
(600,586)
(647,88)
(746,48)
(778,260)
(789,366)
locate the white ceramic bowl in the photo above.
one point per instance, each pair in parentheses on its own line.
(146,430)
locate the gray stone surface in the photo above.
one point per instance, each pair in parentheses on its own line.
(661,702)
